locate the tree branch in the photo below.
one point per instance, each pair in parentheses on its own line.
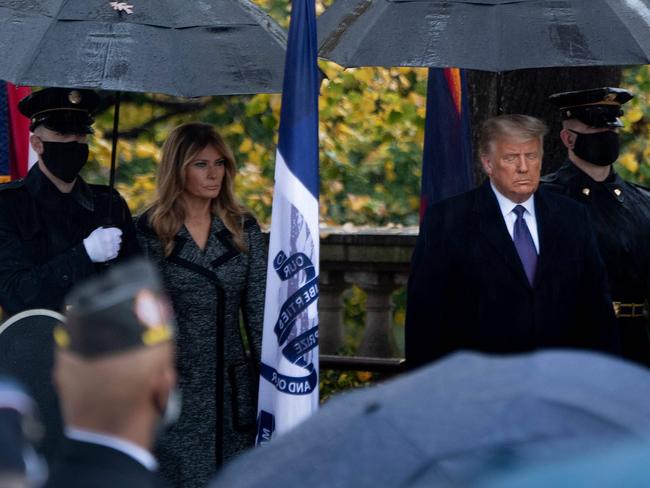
(172,108)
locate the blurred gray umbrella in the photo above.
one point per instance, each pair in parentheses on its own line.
(448,423)
(182,48)
(618,465)
(490,35)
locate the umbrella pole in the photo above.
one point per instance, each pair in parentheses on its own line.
(499,94)
(111,180)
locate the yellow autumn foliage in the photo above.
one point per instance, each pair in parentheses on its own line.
(629,161)
(147,150)
(634,114)
(633,164)
(358,202)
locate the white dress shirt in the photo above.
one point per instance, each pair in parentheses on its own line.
(132,450)
(509,216)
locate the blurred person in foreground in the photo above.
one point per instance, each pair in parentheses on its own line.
(212,258)
(619,210)
(20,466)
(507,267)
(115,376)
(54,227)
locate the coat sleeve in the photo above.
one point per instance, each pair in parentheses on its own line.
(25,284)
(148,242)
(598,320)
(253,299)
(425,336)
(124,221)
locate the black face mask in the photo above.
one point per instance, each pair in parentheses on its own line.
(65,159)
(599,148)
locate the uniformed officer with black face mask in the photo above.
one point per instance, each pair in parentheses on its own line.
(54,227)
(620,210)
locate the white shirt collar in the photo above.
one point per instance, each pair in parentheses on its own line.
(506,205)
(132,450)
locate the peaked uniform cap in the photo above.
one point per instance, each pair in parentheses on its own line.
(597,107)
(63,110)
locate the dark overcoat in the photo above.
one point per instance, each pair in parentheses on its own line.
(218,361)
(468,288)
(620,212)
(42,255)
(86,464)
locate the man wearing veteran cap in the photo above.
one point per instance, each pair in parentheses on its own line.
(115,376)
(54,228)
(620,210)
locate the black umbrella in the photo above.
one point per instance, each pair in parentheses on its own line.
(181,48)
(448,423)
(490,35)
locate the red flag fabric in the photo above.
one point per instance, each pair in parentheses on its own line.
(447,155)
(18,132)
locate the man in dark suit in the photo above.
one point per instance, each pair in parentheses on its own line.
(506,267)
(115,376)
(619,210)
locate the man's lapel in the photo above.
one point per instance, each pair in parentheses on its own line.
(493,227)
(548,233)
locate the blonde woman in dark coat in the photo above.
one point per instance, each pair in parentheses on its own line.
(211,254)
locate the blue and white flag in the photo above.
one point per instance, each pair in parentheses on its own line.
(289,371)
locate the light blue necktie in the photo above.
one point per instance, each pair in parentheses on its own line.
(524,244)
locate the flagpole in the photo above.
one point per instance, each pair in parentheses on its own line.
(289,375)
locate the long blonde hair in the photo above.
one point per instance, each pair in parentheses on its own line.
(167,214)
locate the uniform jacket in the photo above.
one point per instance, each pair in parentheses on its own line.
(217,376)
(41,238)
(620,212)
(468,288)
(85,464)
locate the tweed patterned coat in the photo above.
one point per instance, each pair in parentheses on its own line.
(217,377)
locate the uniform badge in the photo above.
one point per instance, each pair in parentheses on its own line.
(74,97)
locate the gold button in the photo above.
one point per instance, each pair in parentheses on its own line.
(586,191)
(74,97)
(617,192)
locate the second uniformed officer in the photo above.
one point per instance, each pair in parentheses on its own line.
(620,210)
(54,228)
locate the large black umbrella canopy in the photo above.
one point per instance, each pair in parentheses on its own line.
(489,35)
(450,422)
(177,47)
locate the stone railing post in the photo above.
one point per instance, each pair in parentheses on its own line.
(330,311)
(378,339)
(375,259)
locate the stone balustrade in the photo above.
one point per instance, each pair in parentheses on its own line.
(376,260)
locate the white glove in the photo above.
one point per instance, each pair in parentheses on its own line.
(103,244)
